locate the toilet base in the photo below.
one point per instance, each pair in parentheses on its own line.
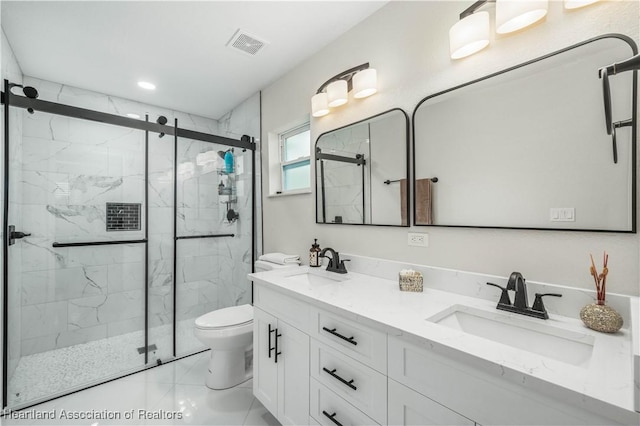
(229,368)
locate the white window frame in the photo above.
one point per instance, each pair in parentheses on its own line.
(282,137)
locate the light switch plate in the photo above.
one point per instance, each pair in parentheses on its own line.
(418,239)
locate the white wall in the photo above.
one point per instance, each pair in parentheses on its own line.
(407,42)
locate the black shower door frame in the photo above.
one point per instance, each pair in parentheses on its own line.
(10,99)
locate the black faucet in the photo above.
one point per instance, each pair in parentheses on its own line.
(335,264)
(520,304)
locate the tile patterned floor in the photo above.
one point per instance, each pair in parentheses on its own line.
(169,391)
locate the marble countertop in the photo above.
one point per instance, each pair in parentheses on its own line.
(603,384)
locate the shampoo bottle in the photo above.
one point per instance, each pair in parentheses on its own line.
(228,162)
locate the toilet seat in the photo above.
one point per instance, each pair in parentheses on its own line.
(232,317)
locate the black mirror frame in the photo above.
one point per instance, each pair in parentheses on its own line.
(407,165)
(634,120)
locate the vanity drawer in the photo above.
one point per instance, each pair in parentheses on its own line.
(358,341)
(408,407)
(288,309)
(325,404)
(466,388)
(365,388)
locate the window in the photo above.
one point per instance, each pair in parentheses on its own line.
(295,160)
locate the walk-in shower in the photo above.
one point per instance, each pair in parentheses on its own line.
(121,238)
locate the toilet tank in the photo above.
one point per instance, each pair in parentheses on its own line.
(262,266)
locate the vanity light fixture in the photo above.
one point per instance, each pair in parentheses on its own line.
(334,92)
(576,4)
(337,93)
(471,33)
(513,15)
(365,83)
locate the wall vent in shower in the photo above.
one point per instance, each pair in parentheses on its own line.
(123,216)
(245,43)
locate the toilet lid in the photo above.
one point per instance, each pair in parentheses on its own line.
(227,317)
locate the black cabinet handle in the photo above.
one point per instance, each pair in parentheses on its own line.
(332,417)
(335,333)
(333,374)
(276,348)
(271,330)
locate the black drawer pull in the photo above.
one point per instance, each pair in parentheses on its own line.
(333,331)
(276,348)
(271,330)
(333,374)
(332,417)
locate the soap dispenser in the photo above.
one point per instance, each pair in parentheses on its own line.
(314,254)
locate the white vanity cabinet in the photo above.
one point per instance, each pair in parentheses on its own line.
(473,392)
(338,364)
(281,357)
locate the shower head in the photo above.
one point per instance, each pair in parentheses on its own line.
(30,92)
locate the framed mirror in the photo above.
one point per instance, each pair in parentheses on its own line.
(362,172)
(528,147)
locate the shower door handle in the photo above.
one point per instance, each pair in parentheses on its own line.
(15,235)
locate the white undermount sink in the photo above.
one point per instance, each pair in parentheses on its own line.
(527,334)
(317,276)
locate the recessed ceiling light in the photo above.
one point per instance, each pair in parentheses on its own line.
(147,85)
(132,115)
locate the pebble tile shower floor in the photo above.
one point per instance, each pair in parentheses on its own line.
(48,373)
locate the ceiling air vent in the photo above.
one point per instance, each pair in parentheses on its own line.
(245,43)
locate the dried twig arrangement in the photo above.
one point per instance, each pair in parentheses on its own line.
(600,279)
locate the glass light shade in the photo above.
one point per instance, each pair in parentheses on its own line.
(319,105)
(337,93)
(365,83)
(512,15)
(469,35)
(575,4)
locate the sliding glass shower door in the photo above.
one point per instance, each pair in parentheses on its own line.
(76,267)
(214,229)
(121,233)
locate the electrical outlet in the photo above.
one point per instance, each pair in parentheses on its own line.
(562,214)
(418,239)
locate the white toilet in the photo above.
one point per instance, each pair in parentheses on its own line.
(229,334)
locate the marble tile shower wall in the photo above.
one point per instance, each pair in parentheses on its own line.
(343,181)
(12,72)
(71,168)
(204,285)
(245,120)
